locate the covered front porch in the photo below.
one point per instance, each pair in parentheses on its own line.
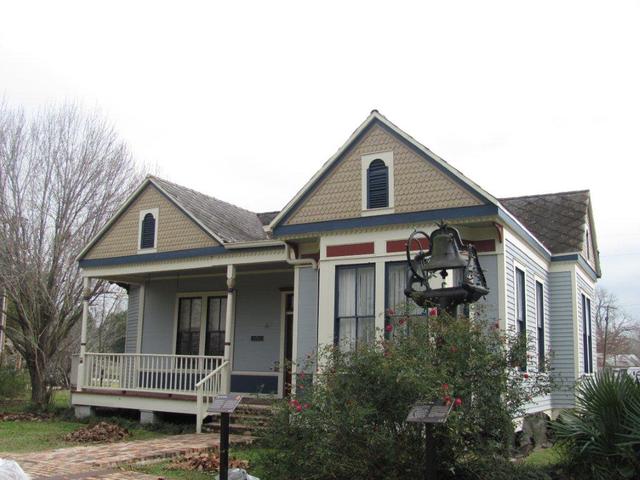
(195,333)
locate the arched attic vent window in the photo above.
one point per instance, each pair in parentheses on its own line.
(148,231)
(377,185)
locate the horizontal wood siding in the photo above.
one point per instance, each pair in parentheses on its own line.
(562,332)
(515,256)
(133,308)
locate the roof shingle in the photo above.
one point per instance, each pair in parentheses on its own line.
(558,220)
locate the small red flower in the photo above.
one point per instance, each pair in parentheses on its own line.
(445,386)
(454,349)
(301,376)
(458,402)
(447,399)
(401,321)
(391,311)
(389,328)
(298,408)
(306,405)
(526,375)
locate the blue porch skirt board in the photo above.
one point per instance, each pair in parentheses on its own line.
(254,384)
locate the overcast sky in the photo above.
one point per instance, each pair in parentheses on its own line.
(246,100)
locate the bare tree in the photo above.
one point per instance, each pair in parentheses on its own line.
(614,326)
(62,175)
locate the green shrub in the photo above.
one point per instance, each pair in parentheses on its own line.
(351,423)
(13,383)
(601,436)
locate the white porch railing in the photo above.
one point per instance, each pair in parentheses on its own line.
(147,372)
(207,388)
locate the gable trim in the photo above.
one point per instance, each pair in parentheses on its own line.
(392,219)
(376,119)
(127,203)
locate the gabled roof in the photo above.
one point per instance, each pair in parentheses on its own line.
(228,222)
(225,222)
(558,220)
(376,118)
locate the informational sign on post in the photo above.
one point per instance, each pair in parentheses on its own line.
(429,414)
(224,405)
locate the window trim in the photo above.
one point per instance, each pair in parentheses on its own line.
(203,315)
(336,318)
(540,331)
(143,213)
(366,160)
(519,267)
(587,335)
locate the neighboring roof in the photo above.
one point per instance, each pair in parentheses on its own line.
(377,117)
(267,217)
(229,222)
(558,220)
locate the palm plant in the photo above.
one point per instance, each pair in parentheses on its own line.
(601,436)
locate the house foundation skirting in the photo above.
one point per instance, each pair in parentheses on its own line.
(133,401)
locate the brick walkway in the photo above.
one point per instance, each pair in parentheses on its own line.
(100,462)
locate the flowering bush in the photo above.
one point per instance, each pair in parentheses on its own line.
(351,422)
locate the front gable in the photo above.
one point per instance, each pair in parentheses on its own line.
(418,182)
(175,230)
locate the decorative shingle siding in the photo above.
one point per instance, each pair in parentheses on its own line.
(418,184)
(564,338)
(517,257)
(176,231)
(133,308)
(584,288)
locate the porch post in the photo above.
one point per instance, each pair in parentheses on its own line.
(86,294)
(229,321)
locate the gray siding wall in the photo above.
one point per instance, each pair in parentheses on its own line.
(584,288)
(562,332)
(258,313)
(307,318)
(487,308)
(516,257)
(133,308)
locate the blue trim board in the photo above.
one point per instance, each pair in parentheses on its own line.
(254,383)
(576,257)
(390,219)
(155,257)
(350,148)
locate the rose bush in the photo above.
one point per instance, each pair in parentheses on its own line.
(351,422)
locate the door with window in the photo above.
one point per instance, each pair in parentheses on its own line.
(201,331)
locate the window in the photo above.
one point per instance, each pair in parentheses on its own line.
(377,185)
(586,335)
(355,305)
(397,304)
(540,322)
(189,318)
(148,230)
(521,307)
(216,322)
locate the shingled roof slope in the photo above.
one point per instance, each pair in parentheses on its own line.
(558,220)
(228,222)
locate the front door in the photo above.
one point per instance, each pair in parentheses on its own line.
(288,341)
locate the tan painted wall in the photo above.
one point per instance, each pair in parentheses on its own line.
(176,231)
(418,185)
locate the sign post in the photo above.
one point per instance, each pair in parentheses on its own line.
(429,414)
(224,405)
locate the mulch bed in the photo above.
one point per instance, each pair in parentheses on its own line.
(29,417)
(204,462)
(100,432)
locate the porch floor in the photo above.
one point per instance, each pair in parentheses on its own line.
(102,461)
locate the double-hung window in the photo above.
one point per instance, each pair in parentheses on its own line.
(398,306)
(355,305)
(586,335)
(189,318)
(521,307)
(540,321)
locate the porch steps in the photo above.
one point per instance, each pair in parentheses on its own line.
(251,415)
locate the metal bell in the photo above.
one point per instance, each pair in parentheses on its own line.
(445,252)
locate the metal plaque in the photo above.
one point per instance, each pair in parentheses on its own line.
(429,413)
(225,403)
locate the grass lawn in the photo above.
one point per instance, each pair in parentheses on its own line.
(546,457)
(161,469)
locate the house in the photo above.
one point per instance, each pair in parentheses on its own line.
(221,298)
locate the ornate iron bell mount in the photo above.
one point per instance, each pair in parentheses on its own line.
(446,253)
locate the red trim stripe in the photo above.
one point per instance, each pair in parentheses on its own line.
(482,245)
(401,245)
(350,249)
